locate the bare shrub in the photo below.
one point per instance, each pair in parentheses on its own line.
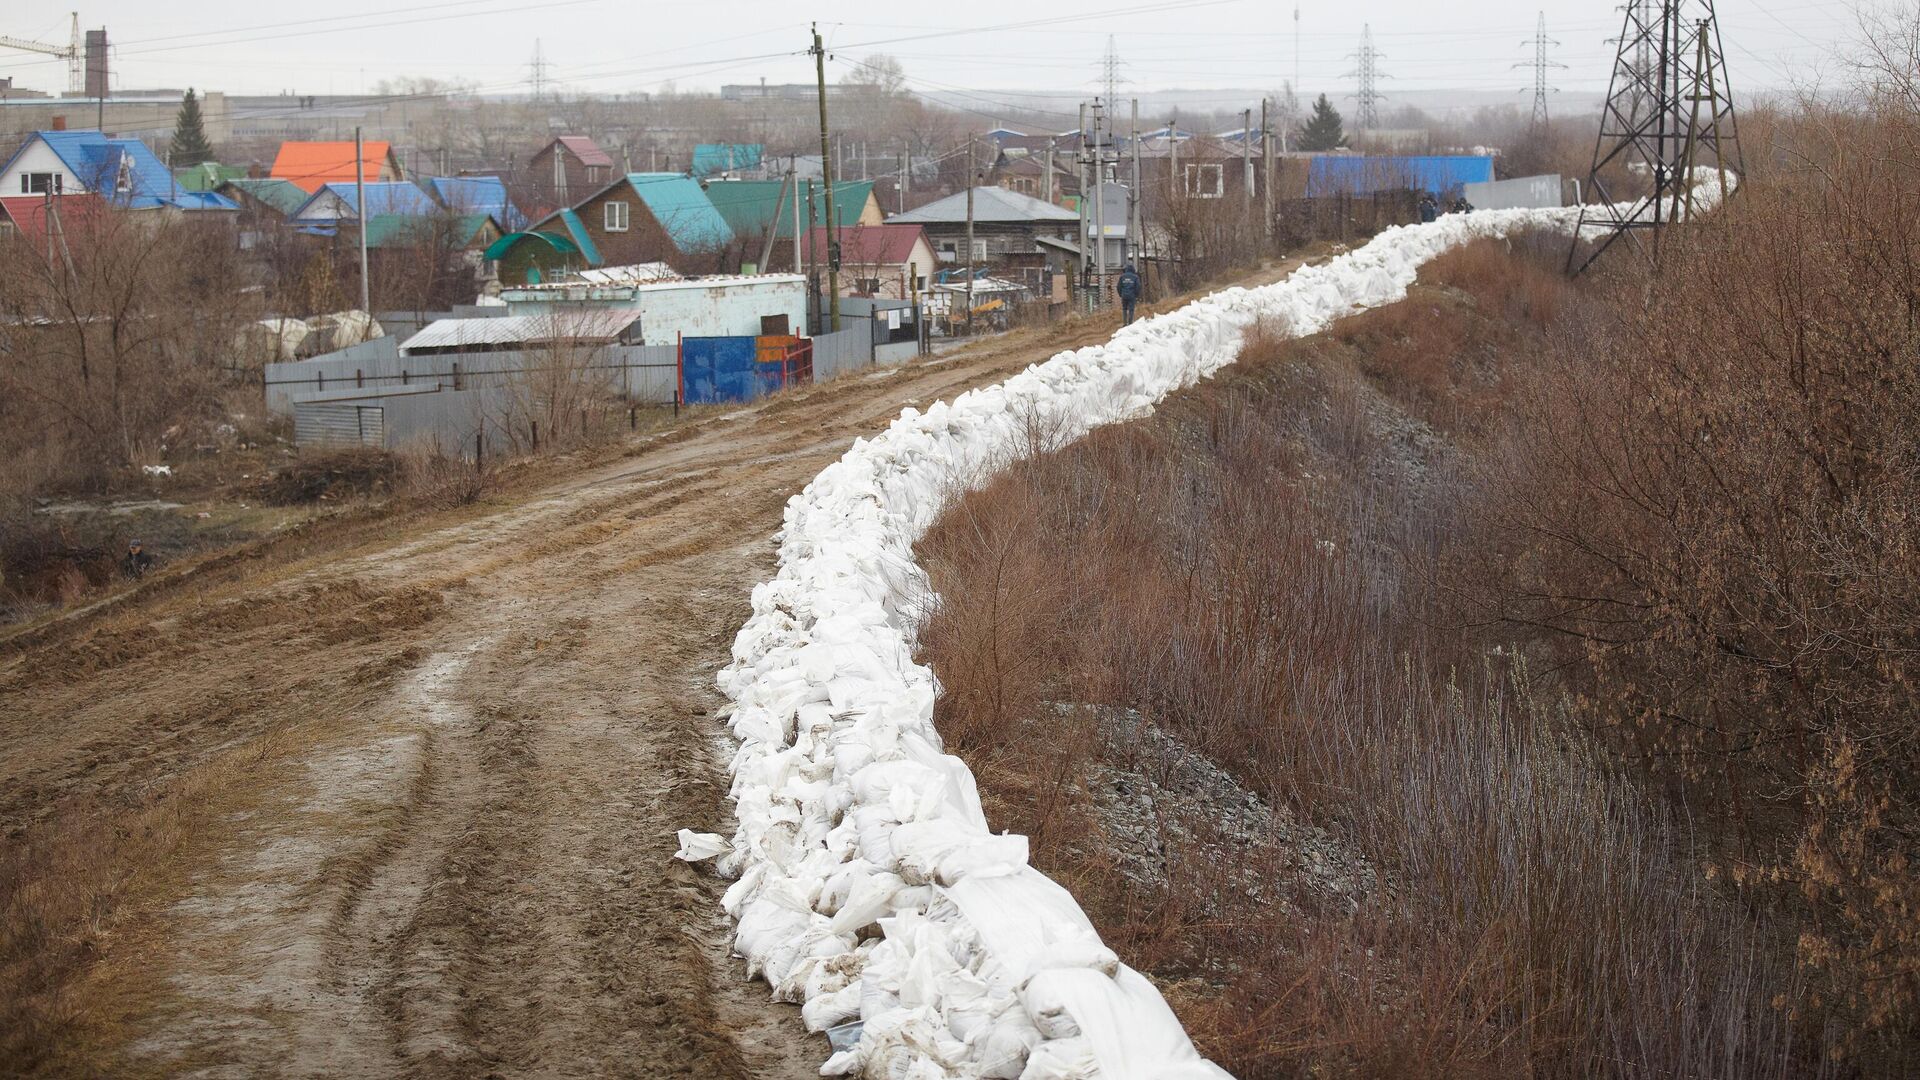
(316,475)
(430,478)
(112,336)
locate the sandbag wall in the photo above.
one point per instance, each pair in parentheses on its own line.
(870,887)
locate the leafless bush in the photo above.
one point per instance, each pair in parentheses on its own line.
(110,338)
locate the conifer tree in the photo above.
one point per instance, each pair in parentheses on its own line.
(1322,131)
(190,146)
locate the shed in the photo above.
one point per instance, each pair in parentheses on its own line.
(587,326)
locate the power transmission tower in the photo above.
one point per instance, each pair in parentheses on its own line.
(1368,96)
(1110,77)
(538,72)
(1540,42)
(1663,119)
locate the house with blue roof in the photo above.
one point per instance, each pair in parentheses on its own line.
(477,195)
(122,172)
(337,202)
(639,218)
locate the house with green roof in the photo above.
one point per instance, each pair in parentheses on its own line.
(208,176)
(279,197)
(752,207)
(639,218)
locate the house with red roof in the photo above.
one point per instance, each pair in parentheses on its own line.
(565,171)
(311,166)
(883,262)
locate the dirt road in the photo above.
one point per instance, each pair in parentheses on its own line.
(406,805)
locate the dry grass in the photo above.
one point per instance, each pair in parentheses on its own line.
(1252,569)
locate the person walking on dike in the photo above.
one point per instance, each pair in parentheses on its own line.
(1129,289)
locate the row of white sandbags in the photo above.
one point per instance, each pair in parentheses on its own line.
(870,886)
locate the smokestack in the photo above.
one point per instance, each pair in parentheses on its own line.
(97,63)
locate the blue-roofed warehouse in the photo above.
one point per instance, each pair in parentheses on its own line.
(1357,174)
(121,171)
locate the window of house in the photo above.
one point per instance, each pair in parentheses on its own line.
(870,286)
(39,183)
(1206,181)
(979,249)
(616,212)
(1025,185)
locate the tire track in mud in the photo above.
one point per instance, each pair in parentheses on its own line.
(457,860)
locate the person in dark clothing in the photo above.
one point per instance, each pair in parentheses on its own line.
(1462,206)
(137,562)
(1128,287)
(1429,208)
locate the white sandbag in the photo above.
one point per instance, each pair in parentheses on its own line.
(698,847)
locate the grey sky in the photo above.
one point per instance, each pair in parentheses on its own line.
(616,45)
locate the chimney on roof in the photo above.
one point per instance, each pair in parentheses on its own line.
(59,123)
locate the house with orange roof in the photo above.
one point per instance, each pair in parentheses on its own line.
(312,165)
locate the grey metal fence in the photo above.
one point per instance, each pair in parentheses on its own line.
(645,374)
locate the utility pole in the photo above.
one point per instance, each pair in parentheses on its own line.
(1049,185)
(971,268)
(1266,159)
(826,179)
(360,211)
(1173,154)
(793,171)
(1134,235)
(1100,194)
(1246,158)
(1081,156)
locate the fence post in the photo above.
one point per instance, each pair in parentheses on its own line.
(359,378)
(535,425)
(480,450)
(679,369)
(633,418)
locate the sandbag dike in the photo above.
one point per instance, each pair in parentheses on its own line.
(870,886)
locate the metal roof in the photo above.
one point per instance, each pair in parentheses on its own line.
(682,209)
(123,171)
(989,204)
(384,197)
(750,206)
(281,195)
(710,158)
(308,165)
(590,326)
(389,230)
(477,195)
(585,149)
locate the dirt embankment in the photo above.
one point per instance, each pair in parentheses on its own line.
(401,800)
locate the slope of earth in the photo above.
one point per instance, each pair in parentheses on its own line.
(404,803)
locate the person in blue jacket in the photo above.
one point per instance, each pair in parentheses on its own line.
(1128,287)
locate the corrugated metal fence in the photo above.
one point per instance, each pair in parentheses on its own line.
(643,374)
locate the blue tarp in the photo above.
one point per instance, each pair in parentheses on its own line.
(1357,174)
(716,370)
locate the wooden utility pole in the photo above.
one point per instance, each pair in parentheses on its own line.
(793,170)
(1100,196)
(1173,155)
(766,250)
(826,179)
(971,268)
(1134,234)
(1266,155)
(1081,241)
(1049,187)
(360,201)
(1246,156)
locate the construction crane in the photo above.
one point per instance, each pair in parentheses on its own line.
(72,53)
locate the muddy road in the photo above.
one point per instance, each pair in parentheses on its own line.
(402,801)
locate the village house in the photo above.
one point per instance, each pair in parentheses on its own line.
(310,166)
(1007,228)
(883,262)
(565,170)
(121,172)
(753,209)
(333,203)
(640,217)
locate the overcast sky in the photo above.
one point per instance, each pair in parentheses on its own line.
(1003,46)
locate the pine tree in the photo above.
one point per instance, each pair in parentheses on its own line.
(1322,130)
(190,146)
